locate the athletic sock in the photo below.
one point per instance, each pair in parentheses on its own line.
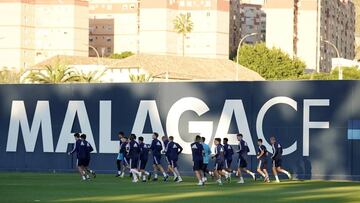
(277,178)
(164,174)
(83,177)
(241,178)
(146,173)
(287,173)
(155,175)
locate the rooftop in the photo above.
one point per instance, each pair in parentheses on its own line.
(177,67)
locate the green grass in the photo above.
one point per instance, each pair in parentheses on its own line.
(32,187)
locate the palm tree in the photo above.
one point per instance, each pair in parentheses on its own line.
(141,78)
(91,77)
(53,74)
(183,25)
(10,75)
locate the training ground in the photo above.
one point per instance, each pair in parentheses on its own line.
(54,187)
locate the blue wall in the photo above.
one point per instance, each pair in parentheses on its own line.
(333,150)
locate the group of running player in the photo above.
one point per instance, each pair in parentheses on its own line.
(133,155)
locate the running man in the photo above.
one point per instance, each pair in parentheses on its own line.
(156,148)
(277,159)
(219,161)
(206,158)
(133,154)
(173,150)
(197,157)
(242,162)
(262,157)
(120,157)
(229,152)
(144,153)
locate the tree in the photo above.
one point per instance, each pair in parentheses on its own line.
(183,25)
(271,64)
(140,78)
(90,77)
(11,76)
(53,74)
(122,55)
(349,73)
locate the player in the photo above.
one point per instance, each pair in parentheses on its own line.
(277,159)
(219,161)
(173,150)
(77,138)
(125,161)
(262,157)
(206,158)
(120,157)
(228,154)
(133,154)
(144,153)
(197,157)
(82,150)
(165,141)
(242,163)
(156,148)
(89,149)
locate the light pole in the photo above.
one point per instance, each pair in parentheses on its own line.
(237,52)
(97,53)
(338,56)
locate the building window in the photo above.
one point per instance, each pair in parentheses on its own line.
(108,49)
(108,39)
(91,39)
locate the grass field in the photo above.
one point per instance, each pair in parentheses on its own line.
(32,187)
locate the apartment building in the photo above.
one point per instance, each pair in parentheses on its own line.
(146,26)
(34,30)
(246,17)
(302,27)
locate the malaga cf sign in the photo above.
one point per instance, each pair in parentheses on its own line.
(316,121)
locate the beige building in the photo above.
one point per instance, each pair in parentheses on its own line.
(300,28)
(146,26)
(33,30)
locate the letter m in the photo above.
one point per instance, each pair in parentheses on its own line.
(19,119)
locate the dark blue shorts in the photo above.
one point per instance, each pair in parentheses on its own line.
(242,163)
(157,159)
(228,163)
(83,162)
(173,163)
(198,165)
(277,163)
(262,164)
(133,162)
(142,164)
(219,165)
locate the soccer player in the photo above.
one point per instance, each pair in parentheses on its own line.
(144,153)
(89,149)
(156,148)
(123,150)
(219,161)
(133,154)
(242,163)
(262,157)
(197,157)
(120,157)
(228,154)
(165,141)
(77,138)
(173,150)
(206,158)
(82,149)
(277,159)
